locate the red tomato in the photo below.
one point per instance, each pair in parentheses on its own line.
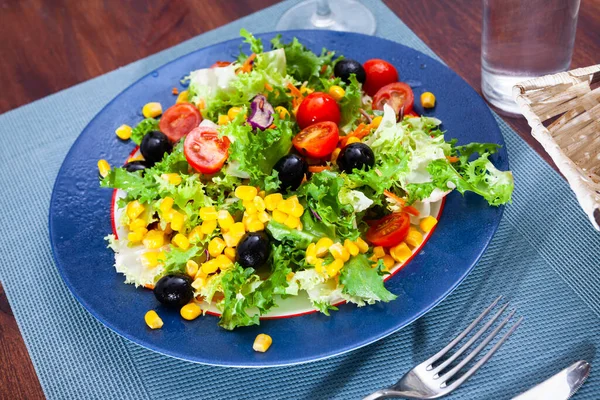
(179,120)
(318,140)
(389,230)
(220,64)
(205,150)
(398,95)
(379,74)
(317,107)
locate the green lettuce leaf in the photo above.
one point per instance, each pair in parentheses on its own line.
(142,128)
(350,103)
(363,282)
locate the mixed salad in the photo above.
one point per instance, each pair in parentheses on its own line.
(285,172)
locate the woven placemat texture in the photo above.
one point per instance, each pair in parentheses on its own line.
(545,257)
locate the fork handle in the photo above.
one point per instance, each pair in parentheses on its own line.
(389,393)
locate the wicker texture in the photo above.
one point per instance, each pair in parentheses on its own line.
(572,140)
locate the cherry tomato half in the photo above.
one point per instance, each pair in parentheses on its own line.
(411,114)
(205,151)
(318,140)
(398,95)
(220,64)
(390,230)
(379,74)
(317,107)
(179,120)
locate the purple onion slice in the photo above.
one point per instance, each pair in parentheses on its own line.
(261,113)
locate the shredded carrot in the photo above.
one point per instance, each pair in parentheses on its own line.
(201,106)
(452,159)
(318,168)
(149,286)
(323,69)
(247,66)
(411,210)
(272,126)
(268,86)
(392,196)
(175,91)
(360,132)
(294,90)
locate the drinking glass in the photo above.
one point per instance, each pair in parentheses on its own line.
(523,39)
(336,15)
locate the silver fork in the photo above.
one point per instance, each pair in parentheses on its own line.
(425,382)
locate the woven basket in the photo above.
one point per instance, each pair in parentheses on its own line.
(572,140)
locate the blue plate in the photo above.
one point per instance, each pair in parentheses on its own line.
(80,218)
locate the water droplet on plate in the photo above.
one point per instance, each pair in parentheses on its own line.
(423,66)
(155,74)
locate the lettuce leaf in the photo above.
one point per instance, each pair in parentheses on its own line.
(350,103)
(142,128)
(363,282)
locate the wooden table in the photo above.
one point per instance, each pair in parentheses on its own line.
(55,44)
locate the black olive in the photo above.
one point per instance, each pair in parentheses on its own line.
(253,250)
(291,170)
(344,68)
(154,146)
(174,290)
(356,155)
(136,166)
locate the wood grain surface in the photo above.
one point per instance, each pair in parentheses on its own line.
(48,46)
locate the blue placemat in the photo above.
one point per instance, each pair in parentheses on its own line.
(545,257)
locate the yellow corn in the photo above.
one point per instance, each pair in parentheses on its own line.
(199,283)
(190,311)
(322,246)
(152,110)
(286,206)
(352,139)
(153,320)
(249,206)
(279,216)
(230,253)
(262,343)
(339,252)
(254,225)
(237,229)
(246,192)
(389,262)
(401,252)
(233,236)
(262,194)
(136,236)
(208,227)
(233,112)
(376,121)
(216,247)
(166,204)
(209,267)
(351,247)
(154,239)
(283,113)
(335,154)
(259,203)
(337,92)
(272,200)
(263,217)
(181,241)
(334,267)
(137,224)
(123,132)
(311,254)
(292,222)
(138,157)
(134,209)
(191,268)
(414,238)
(225,220)
(173,179)
(208,214)
(223,120)
(362,245)
(223,262)
(196,235)
(428,100)
(378,252)
(319,266)
(151,259)
(182,97)
(177,222)
(297,210)
(427,223)
(289,276)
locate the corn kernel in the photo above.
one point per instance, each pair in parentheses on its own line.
(282,111)
(233,112)
(225,220)
(138,157)
(286,206)
(351,247)
(223,262)
(216,247)
(249,206)
(311,260)
(352,139)
(173,179)
(182,97)
(339,252)
(279,216)
(297,210)
(177,222)
(335,154)
(378,252)
(191,268)
(168,215)
(134,209)
(262,343)
(166,204)
(237,228)
(362,245)
(263,217)
(136,236)
(323,246)
(262,194)
(337,92)
(210,266)
(290,276)
(401,252)
(376,121)
(181,241)
(208,227)
(234,235)
(208,214)
(151,259)
(199,283)
(223,120)
(153,320)
(272,200)
(414,238)
(137,224)
(246,192)
(292,222)
(319,266)
(428,100)
(311,250)
(154,239)
(152,110)
(190,311)
(196,235)
(255,226)
(259,203)
(427,223)
(389,262)
(334,267)
(123,132)
(230,253)
(231,240)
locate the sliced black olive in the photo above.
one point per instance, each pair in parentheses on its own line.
(136,166)
(356,155)
(154,146)
(346,67)
(291,170)
(253,250)
(174,290)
